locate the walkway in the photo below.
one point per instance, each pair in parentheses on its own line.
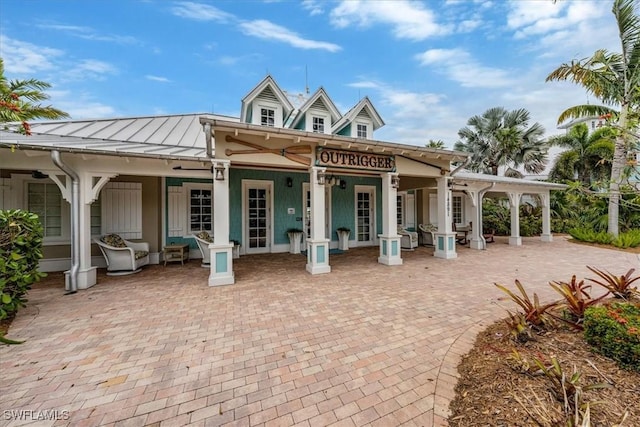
(365,345)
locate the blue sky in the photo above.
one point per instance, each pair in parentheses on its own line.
(427,66)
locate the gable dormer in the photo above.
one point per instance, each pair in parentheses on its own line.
(317,114)
(266,105)
(359,122)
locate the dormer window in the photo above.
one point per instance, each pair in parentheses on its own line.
(361,131)
(267,117)
(318,125)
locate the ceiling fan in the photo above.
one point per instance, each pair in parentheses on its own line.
(180,168)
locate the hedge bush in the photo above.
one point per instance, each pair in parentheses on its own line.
(614,331)
(20,251)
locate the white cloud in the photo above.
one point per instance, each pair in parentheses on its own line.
(22,57)
(411,117)
(460,66)
(313,6)
(157,78)
(409,19)
(80,105)
(87,69)
(88,33)
(269,31)
(200,12)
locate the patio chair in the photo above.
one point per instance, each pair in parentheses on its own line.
(489,235)
(203,239)
(122,256)
(426,231)
(461,233)
(408,239)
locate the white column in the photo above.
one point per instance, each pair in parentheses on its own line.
(476,240)
(546,218)
(318,243)
(514,205)
(221,266)
(389,239)
(87,276)
(445,238)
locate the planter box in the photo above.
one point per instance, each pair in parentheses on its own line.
(343,240)
(295,238)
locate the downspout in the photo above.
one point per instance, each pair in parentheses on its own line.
(75,219)
(481,194)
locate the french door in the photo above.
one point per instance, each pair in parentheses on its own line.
(258,217)
(365,216)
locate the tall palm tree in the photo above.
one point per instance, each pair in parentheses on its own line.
(500,138)
(614,78)
(588,157)
(20,102)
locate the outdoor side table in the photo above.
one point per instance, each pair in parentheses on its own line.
(176,253)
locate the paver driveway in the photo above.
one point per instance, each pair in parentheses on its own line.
(365,345)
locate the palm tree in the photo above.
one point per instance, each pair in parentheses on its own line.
(439,144)
(501,138)
(19,102)
(614,78)
(588,157)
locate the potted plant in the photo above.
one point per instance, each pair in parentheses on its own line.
(343,238)
(295,237)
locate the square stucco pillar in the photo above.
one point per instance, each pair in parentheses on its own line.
(445,238)
(317,244)
(546,218)
(221,256)
(514,205)
(389,239)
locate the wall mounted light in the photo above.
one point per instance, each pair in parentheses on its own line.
(219,169)
(395,181)
(289,182)
(343,184)
(321,176)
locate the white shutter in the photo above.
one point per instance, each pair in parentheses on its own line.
(5,193)
(176,215)
(122,209)
(410,211)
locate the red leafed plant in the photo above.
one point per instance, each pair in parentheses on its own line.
(534,313)
(619,286)
(577,299)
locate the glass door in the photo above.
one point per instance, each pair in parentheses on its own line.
(365,230)
(258,219)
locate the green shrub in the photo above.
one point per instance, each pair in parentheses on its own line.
(20,251)
(585,234)
(615,332)
(629,239)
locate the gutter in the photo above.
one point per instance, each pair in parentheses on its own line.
(75,219)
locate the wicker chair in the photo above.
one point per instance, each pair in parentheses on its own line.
(408,239)
(203,239)
(426,231)
(122,256)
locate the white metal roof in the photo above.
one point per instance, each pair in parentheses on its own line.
(168,136)
(478,177)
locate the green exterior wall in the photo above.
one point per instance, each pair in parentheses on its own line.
(342,203)
(346,131)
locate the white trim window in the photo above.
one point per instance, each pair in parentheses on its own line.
(456,209)
(317,125)
(400,209)
(362,129)
(45,200)
(267,116)
(200,208)
(267,113)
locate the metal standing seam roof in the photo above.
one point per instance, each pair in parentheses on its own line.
(168,136)
(478,177)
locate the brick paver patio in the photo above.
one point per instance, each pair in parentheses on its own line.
(365,345)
